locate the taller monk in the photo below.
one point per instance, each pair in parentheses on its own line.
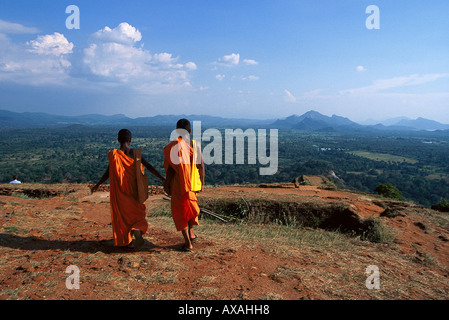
(184,169)
(128,213)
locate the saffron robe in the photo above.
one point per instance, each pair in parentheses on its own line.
(184,203)
(127,213)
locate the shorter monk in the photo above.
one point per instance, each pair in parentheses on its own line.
(179,163)
(127,212)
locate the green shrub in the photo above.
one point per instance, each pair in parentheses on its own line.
(376,231)
(443,205)
(387,190)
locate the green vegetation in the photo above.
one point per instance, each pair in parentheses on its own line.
(360,160)
(442,206)
(22,195)
(382,157)
(377,231)
(14,230)
(387,190)
(281,233)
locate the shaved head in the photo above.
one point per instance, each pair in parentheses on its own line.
(184,124)
(124,135)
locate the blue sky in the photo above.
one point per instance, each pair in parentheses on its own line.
(251,59)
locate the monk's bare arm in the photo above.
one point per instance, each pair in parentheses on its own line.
(152,170)
(102,180)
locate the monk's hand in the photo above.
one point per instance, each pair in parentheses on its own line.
(93,189)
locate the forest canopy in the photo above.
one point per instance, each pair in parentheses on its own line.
(413,162)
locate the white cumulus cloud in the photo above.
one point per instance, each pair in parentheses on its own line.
(115,60)
(232,59)
(123,33)
(250,62)
(53,44)
(115,56)
(42,61)
(191,66)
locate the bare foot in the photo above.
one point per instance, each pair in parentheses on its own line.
(186,248)
(138,242)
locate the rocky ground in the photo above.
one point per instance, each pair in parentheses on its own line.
(265,252)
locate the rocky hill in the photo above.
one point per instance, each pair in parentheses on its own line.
(280,241)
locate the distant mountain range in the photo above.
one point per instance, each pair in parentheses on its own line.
(309,121)
(10,120)
(315,121)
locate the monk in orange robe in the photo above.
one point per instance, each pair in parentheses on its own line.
(178,156)
(127,212)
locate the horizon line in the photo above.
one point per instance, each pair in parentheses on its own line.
(225,117)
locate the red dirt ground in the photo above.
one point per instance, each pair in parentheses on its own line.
(40,238)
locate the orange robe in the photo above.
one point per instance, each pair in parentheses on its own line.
(126,212)
(184,203)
